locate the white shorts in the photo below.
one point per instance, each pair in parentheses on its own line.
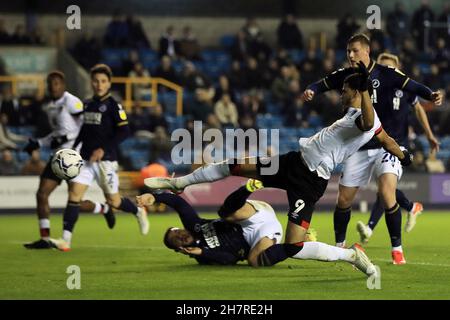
(263,223)
(104,172)
(358,169)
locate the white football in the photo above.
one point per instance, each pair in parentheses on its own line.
(66,164)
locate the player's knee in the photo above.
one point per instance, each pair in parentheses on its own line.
(114,202)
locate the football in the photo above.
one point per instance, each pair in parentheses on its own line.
(66,164)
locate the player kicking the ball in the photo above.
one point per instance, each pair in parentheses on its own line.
(246,229)
(304,174)
(105,127)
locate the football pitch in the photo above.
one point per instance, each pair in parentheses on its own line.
(122,264)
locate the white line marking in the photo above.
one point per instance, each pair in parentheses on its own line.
(418,263)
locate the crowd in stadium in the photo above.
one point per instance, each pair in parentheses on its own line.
(244,83)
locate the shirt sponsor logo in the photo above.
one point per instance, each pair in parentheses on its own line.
(209,233)
(92,118)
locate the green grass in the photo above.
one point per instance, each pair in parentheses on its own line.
(122,264)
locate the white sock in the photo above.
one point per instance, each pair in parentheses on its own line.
(208,173)
(98,207)
(67,236)
(340,244)
(324,252)
(370,231)
(44,224)
(399,248)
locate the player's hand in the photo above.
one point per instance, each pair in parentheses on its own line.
(437,97)
(146,199)
(97,155)
(407,159)
(308,95)
(362,70)
(31,146)
(434,144)
(192,251)
(58,141)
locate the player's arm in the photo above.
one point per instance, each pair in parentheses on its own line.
(423,120)
(210,256)
(333,81)
(400,80)
(392,147)
(187,214)
(367,118)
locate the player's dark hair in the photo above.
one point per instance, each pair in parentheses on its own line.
(167,242)
(101,68)
(353,81)
(56,74)
(361,38)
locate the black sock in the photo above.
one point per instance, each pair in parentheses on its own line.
(341,219)
(234,202)
(376,213)
(128,206)
(393,218)
(278,253)
(71,215)
(403,201)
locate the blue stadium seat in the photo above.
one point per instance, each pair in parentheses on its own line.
(340,55)
(297,55)
(424,67)
(305,132)
(227,41)
(169,100)
(175,122)
(114,57)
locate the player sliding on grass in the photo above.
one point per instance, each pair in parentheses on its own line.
(105,127)
(246,230)
(64,112)
(403,102)
(304,174)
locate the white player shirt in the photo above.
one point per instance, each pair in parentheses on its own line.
(61,115)
(334,144)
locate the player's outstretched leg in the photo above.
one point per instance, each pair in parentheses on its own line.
(103,208)
(208,173)
(125,204)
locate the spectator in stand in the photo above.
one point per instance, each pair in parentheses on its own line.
(168,43)
(87,50)
(157,119)
(226,111)
(433,79)
(251,30)
(251,105)
(421,16)
(224,87)
(19,36)
(269,72)
(137,37)
(346,27)
(257,47)
(253,76)
(310,68)
(189,46)
(289,34)
(398,24)
(166,70)
(5,38)
(282,57)
(8,164)
(34,166)
(295,111)
(240,48)
(192,79)
(202,106)
(434,165)
(10,105)
(280,86)
(139,121)
(408,55)
(445,18)
(117,32)
(8,139)
(442,56)
(129,63)
(237,76)
(140,90)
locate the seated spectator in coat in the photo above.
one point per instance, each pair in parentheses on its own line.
(226,111)
(8,164)
(237,76)
(10,105)
(202,106)
(189,47)
(157,119)
(166,71)
(34,166)
(139,121)
(224,87)
(280,86)
(192,79)
(168,43)
(117,32)
(8,139)
(253,75)
(289,34)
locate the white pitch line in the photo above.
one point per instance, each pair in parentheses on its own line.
(418,263)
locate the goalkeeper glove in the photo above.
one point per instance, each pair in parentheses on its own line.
(31,146)
(364,74)
(407,160)
(252,185)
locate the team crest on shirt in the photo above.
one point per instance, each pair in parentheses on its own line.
(399,93)
(102,108)
(375,83)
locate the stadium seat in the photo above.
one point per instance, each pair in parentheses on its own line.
(114,57)
(227,41)
(297,55)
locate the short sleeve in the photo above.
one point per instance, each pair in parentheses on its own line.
(74,105)
(120,116)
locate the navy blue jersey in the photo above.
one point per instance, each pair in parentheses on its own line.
(221,242)
(105,126)
(386,81)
